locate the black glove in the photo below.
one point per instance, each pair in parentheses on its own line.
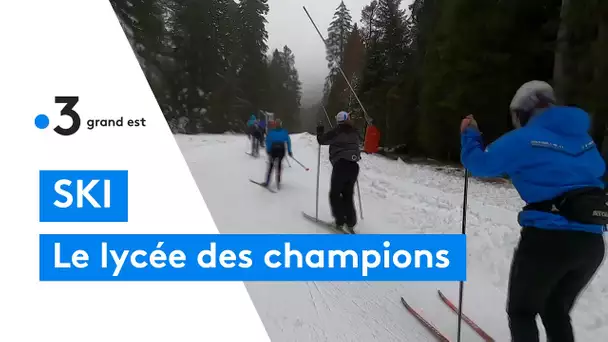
(320,130)
(290,154)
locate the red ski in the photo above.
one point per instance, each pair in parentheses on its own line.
(467,320)
(428,325)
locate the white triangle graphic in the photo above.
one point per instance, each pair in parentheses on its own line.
(78,48)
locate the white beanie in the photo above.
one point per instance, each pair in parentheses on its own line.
(342,116)
(525,103)
(530,94)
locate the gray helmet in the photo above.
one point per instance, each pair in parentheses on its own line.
(530,97)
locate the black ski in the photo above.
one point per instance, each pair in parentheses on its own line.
(262,185)
(324,224)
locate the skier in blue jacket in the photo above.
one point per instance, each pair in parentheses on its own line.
(557,170)
(255,134)
(252,125)
(252,120)
(277,141)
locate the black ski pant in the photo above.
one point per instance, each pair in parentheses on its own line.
(550,269)
(341,193)
(255,143)
(277,153)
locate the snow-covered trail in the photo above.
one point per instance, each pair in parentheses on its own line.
(397,198)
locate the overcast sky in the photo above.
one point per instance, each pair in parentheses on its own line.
(289,25)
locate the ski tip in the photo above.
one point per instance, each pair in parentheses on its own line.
(306,215)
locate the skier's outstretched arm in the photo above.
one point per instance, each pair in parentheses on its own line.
(326,138)
(288,145)
(497,159)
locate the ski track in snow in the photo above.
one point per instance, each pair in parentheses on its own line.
(398,198)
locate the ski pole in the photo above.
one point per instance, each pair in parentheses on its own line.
(464,231)
(360,204)
(326,115)
(288,163)
(302,165)
(318,174)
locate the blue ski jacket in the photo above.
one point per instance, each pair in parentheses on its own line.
(252,120)
(552,154)
(278,135)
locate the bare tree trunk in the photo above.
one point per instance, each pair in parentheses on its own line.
(560,77)
(601,62)
(600,80)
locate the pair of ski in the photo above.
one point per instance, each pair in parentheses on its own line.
(267,187)
(324,224)
(319,222)
(438,334)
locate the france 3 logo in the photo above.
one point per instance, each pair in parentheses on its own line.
(43,121)
(84,196)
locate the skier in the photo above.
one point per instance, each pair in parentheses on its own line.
(557,169)
(262,125)
(276,139)
(256,139)
(252,120)
(344,155)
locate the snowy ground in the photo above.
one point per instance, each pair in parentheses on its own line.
(397,198)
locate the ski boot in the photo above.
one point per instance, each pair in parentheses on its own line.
(348,229)
(349,226)
(338,226)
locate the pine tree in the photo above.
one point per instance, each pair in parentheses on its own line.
(353,62)
(142,21)
(424,72)
(337,38)
(600,78)
(224,101)
(200,71)
(340,96)
(253,48)
(285,87)
(385,63)
(584,64)
(206,61)
(470,38)
(368,17)
(293,87)
(143,24)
